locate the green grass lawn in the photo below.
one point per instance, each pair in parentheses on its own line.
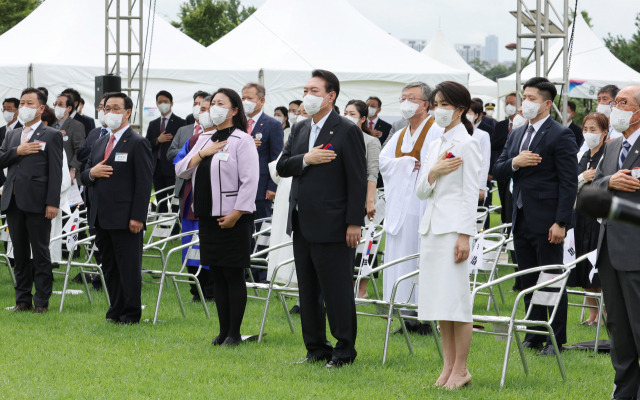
(76,354)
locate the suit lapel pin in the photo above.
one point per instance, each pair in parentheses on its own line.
(637,151)
(330,132)
(260,124)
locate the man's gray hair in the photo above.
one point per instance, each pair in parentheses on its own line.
(426,90)
(258,87)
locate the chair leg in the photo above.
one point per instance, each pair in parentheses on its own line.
(521,351)
(436,338)
(557,352)
(386,338)
(179,296)
(104,285)
(203,301)
(264,315)
(405,333)
(86,285)
(155,314)
(283,300)
(64,286)
(13,277)
(505,362)
(599,321)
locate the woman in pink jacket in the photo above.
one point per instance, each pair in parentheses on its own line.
(223,168)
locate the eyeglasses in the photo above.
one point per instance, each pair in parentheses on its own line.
(623,103)
(109,109)
(411,99)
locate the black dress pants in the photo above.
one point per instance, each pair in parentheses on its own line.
(325,280)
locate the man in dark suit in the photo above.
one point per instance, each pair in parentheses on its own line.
(325,155)
(10,114)
(120,174)
(88,123)
(160,134)
(31,199)
(193,117)
(541,159)
(268,134)
(575,128)
(499,139)
(618,253)
(378,127)
(73,135)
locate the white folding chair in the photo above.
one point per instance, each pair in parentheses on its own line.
(493,243)
(481,217)
(364,251)
(4,257)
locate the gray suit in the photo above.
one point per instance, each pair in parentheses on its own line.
(72,141)
(619,269)
(181,137)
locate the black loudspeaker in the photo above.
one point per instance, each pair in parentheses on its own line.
(106,84)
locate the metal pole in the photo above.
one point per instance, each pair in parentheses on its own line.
(141,68)
(565,60)
(538,35)
(519,54)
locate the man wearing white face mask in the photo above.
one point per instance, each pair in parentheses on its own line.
(541,159)
(618,253)
(400,162)
(606,95)
(268,135)
(160,134)
(73,135)
(378,127)
(120,174)
(10,114)
(33,156)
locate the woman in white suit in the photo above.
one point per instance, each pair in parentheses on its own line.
(450,183)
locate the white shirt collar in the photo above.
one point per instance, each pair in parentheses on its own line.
(633,137)
(375,121)
(537,125)
(72,115)
(451,133)
(12,126)
(320,123)
(255,118)
(166,116)
(34,126)
(119,134)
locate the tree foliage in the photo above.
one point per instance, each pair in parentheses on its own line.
(14,11)
(626,50)
(208,20)
(492,72)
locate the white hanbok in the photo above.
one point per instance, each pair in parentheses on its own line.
(55,247)
(485,146)
(403,208)
(279,229)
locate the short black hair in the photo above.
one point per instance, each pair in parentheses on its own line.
(376,99)
(42,99)
(69,101)
(165,94)
(13,100)
(296,102)
(546,88)
(199,93)
(44,89)
(81,101)
(285,112)
(476,107)
(128,103)
(572,106)
(331,82)
(48,116)
(611,89)
(74,94)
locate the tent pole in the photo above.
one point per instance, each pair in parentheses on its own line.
(30,76)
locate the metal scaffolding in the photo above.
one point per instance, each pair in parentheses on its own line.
(123,24)
(538,22)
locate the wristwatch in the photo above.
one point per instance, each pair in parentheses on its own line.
(561,224)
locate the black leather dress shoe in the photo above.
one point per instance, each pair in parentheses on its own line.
(548,350)
(312,360)
(40,310)
(530,345)
(295,309)
(22,307)
(335,364)
(231,342)
(218,340)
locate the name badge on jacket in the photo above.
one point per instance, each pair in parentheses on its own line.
(42,144)
(121,157)
(222,156)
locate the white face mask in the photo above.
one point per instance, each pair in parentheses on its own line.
(621,120)
(312,104)
(372,112)
(164,108)
(249,107)
(604,109)
(279,119)
(218,114)
(510,110)
(196,112)
(518,121)
(530,110)
(592,139)
(432,112)
(113,120)
(292,118)
(205,120)
(8,116)
(352,119)
(471,118)
(489,113)
(101,117)
(301,118)
(408,109)
(60,111)
(27,114)
(443,117)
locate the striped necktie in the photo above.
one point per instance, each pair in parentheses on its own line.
(626,146)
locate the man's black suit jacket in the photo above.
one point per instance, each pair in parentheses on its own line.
(34,179)
(88,123)
(383,127)
(498,140)
(577,132)
(328,197)
(124,195)
(3,132)
(548,189)
(190,120)
(153,131)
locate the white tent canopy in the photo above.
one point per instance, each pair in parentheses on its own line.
(440,49)
(592,66)
(177,63)
(280,41)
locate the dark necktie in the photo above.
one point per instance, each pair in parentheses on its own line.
(527,140)
(103,132)
(163,127)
